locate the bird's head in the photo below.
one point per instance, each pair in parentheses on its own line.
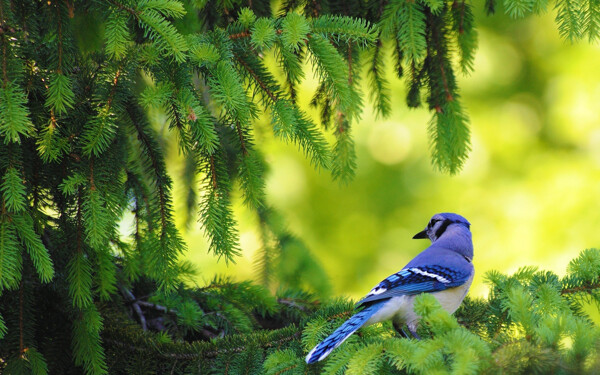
(439,224)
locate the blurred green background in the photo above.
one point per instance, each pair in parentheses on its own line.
(530,187)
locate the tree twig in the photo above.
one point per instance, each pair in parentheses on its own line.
(135,305)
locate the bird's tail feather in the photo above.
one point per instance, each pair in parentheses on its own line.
(340,335)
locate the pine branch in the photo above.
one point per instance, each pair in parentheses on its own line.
(4,44)
(271,94)
(588,288)
(10,254)
(378,85)
(101,130)
(208,351)
(217,217)
(14,114)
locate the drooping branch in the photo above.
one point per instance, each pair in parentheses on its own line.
(257,79)
(60,40)
(588,288)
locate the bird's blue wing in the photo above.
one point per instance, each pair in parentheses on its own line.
(415,280)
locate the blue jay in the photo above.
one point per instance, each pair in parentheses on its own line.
(444,269)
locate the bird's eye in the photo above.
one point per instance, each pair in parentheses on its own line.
(432,222)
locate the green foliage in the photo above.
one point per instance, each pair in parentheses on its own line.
(295,30)
(87,350)
(35,248)
(518,8)
(520,328)
(152,18)
(60,94)
(117,34)
(569,19)
(463,24)
(284,362)
(2,327)
(344,155)
(446,129)
(80,281)
(14,116)
(31,362)
(411,30)
(10,256)
(13,190)
(246,17)
(327,63)
(83,90)
(345,29)
(379,90)
(293,264)
(263,33)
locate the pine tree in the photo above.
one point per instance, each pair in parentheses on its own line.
(78,84)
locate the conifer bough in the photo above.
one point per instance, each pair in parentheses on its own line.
(81,82)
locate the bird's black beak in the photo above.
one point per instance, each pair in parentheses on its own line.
(421,234)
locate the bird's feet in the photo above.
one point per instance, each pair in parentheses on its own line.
(399,327)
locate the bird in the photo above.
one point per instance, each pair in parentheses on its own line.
(444,269)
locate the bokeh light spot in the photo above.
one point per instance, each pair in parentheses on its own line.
(389,142)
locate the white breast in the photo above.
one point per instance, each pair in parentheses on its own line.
(401,308)
(451,298)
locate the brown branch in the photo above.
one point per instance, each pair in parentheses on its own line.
(349,63)
(113,91)
(243,34)
(213,173)
(257,78)
(241,136)
(439,58)
(53,122)
(71,8)
(75,157)
(192,114)
(78,238)
(316,8)
(340,122)
(123,7)
(345,314)
(92,185)
(584,288)
(247,34)
(461,23)
(445,81)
